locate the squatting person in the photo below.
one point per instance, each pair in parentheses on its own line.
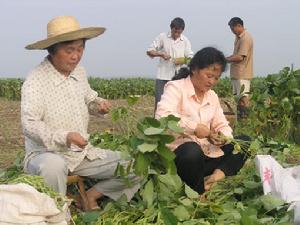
(55,107)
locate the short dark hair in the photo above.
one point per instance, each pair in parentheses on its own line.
(177,23)
(235,21)
(202,59)
(52,49)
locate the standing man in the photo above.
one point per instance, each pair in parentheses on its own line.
(241,68)
(55,107)
(174,50)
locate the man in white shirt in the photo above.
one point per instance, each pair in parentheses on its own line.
(55,107)
(174,50)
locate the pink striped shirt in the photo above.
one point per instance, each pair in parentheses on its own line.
(179,99)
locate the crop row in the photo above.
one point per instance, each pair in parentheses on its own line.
(115,88)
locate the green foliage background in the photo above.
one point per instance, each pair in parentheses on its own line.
(116,88)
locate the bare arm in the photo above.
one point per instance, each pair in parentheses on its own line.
(153,53)
(156,49)
(235,58)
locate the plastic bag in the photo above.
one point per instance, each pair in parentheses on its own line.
(281,182)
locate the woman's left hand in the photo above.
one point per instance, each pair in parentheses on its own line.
(217,139)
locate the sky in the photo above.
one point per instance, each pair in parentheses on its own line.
(133,24)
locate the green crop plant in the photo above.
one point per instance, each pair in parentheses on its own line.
(276,106)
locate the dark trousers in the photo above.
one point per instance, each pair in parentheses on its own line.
(193,165)
(159,90)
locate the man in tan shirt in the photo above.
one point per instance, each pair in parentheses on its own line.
(241,68)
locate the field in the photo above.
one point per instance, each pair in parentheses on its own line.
(273,124)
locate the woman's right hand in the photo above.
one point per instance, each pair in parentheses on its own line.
(202,131)
(76,139)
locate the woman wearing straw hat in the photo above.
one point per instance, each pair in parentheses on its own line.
(55,107)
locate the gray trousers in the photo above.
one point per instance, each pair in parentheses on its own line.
(54,169)
(159,90)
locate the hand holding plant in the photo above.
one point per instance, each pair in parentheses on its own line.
(217,139)
(76,139)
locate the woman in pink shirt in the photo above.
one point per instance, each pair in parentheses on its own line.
(202,156)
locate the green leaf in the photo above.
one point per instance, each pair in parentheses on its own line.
(141,165)
(134,142)
(246,220)
(251,184)
(187,202)
(271,202)
(173,118)
(166,153)
(173,125)
(238,191)
(172,181)
(169,165)
(230,211)
(249,217)
(168,216)
(181,213)
(149,213)
(146,147)
(165,138)
(141,127)
(164,194)
(150,121)
(153,131)
(163,122)
(148,193)
(216,208)
(90,217)
(255,145)
(190,192)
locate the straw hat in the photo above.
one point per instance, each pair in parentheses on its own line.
(65,28)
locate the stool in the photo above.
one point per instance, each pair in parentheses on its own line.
(82,198)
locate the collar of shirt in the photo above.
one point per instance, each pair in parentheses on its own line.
(192,94)
(56,76)
(178,39)
(242,34)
